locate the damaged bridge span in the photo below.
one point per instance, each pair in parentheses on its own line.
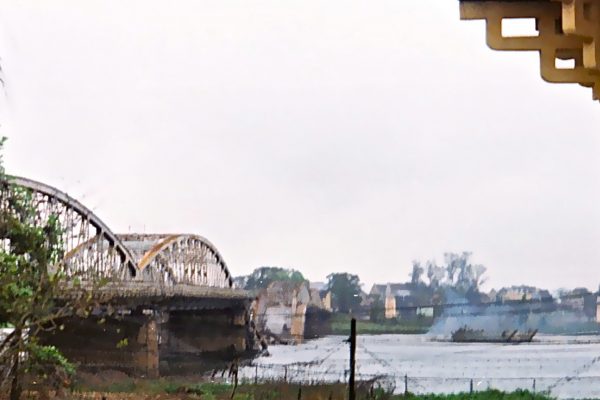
(170,305)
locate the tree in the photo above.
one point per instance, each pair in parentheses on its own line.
(454,264)
(417,272)
(435,274)
(345,291)
(469,277)
(458,274)
(32,279)
(262,277)
(478,278)
(377,311)
(462,275)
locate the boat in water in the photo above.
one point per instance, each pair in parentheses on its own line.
(468,335)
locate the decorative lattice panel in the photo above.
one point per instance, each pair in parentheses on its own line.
(565,30)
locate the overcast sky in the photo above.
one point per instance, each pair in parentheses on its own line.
(326,136)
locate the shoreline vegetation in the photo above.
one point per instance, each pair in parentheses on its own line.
(340,325)
(173,389)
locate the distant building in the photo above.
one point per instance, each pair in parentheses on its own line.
(390,304)
(519,293)
(404,300)
(327,301)
(319,290)
(580,300)
(395,289)
(427,311)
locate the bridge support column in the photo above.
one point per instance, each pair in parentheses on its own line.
(146,358)
(128,343)
(155,341)
(201,340)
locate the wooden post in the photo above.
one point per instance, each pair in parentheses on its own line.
(471,387)
(256,374)
(351,387)
(534,386)
(285,373)
(406,384)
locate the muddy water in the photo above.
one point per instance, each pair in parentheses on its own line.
(567,366)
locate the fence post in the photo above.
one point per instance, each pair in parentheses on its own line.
(299,392)
(255,374)
(351,388)
(285,373)
(471,387)
(534,386)
(405,384)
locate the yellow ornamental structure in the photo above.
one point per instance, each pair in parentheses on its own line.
(564,30)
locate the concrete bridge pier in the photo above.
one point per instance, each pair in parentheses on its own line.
(153,342)
(128,343)
(202,340)
(146,359)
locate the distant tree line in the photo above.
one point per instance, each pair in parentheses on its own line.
(345,288)
(262,277)
(430,283)
(458,275)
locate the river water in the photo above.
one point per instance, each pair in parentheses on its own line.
(566,366)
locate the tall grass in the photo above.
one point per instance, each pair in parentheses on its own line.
(164,389)
(340,325)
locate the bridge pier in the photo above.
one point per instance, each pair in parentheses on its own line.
(154,342)
(147,357)
(126,343)
(202,340)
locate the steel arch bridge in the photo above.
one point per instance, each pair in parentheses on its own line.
(178,259)
(151,261)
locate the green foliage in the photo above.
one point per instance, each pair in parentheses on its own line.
(262,277)
(32,248)
(49,357)
(208,390)
(490,394)
(345,291)
(122,343)
(281,390)
(32,277)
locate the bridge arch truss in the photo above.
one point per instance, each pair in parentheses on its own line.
(88,246)
(178,259)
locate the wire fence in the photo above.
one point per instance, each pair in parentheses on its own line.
(302,374)
(378,369)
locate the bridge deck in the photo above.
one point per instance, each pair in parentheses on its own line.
(127,297)
(124,291)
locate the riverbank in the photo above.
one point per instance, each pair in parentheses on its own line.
(340,325)
(162,389)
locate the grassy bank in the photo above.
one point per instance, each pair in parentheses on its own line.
(273,391)
(340,325)
(489,394)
